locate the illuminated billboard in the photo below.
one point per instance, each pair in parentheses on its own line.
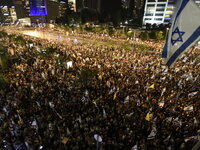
(38,8)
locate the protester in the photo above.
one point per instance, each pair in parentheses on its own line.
(128,98)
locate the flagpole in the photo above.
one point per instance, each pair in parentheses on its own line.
(97,146)
(197,146)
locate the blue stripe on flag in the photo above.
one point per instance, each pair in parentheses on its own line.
(165,49)
(190,40)
(164,53)
(184,3)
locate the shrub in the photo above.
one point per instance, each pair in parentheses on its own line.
(144,35)
(130,33)
(105,31)
(111,31)
(152,35)
(119,32)
(160,35)
(98,30)
(87,27)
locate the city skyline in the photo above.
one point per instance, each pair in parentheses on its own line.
(134,12)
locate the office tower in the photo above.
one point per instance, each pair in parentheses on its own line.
(43,11)
(22,8)
(197,2)
(5,14)
(159,11)
(13,13)
(73,4)
(8,14)
(62,9)
(38,8)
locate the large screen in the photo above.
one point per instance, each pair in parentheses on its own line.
(38,8)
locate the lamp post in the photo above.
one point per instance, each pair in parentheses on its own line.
(167,30)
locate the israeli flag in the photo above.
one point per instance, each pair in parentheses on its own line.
(185,31)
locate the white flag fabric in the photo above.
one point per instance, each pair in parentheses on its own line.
(185,31)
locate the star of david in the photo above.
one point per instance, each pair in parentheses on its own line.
(179,38)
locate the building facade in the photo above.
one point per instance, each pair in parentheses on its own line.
(197,2)
(158,11)
(38,8)
(39,11)
(22,8)
(8,14)
(62,9)
(73,4)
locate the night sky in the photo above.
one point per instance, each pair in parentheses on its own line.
(111,5)
(6,2)
(107,5)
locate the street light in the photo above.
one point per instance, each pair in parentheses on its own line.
(167,30)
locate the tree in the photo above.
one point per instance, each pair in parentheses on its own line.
(148,26)
(144,35)
(154,26)
(160,35)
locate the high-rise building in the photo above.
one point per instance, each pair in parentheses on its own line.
(8,14)
(22,8)
(38,8)
(158,11)
(73,5)
(197,2)
(13,14)
(5,14)
(62,9)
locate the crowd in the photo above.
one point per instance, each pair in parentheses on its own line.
(128,98)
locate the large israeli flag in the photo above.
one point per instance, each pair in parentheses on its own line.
(184,32)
